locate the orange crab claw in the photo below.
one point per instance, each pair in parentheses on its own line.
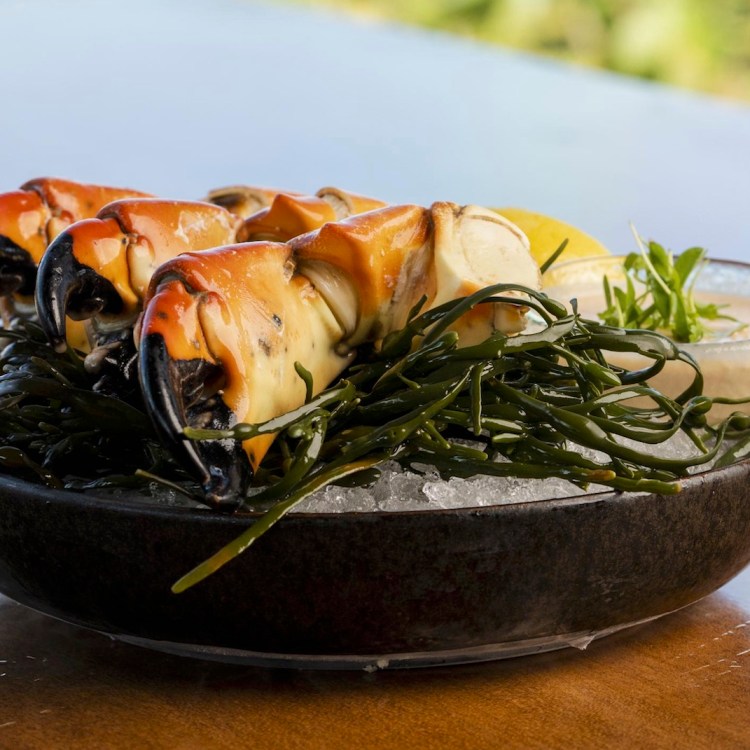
(219,337)
(242,316)
(101,267)
(177,370)
(34,215)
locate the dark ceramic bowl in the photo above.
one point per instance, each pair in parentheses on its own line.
(376,589)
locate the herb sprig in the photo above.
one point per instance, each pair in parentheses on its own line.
(659,294)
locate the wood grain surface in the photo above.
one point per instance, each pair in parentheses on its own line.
(682,681)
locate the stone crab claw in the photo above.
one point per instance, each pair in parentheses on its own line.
(222,330)
(219,337)
(31,217)
(290,215)
(101,267)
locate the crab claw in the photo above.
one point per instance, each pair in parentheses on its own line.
(222,329)
(68,287)
(32,216)
(219,336)
(243,200)
(290,215)
(101,267)
(180,390)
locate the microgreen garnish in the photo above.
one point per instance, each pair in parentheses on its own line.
(659,294)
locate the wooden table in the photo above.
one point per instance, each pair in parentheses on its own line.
(682,681)
(177,99)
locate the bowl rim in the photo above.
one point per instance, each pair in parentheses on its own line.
(609,259)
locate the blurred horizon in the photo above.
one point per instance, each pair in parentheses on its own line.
(692,44)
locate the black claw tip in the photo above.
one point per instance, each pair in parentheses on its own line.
(17,269)
(66,287)
(174,397)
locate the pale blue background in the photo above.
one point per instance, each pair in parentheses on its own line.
(176,97)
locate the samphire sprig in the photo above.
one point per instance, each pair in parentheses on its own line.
(521,406)
(658,294)
(56,430)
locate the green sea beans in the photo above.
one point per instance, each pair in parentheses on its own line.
(56,430)
(540,404)
(544,403)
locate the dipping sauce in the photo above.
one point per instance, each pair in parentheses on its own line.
(723,355)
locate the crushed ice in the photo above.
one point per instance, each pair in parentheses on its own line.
(402,490)
(398,489)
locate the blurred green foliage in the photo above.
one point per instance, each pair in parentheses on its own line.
(699,44)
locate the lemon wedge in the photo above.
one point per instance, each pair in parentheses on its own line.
(546,234)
